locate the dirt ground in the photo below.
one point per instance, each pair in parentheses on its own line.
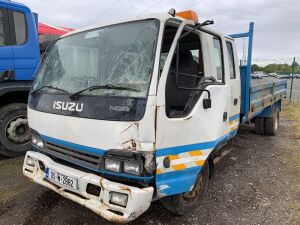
(257,183)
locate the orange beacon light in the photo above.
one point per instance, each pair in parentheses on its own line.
(189,15)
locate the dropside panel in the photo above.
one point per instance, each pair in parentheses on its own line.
(265,95)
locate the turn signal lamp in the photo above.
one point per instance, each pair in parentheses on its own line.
(189,15)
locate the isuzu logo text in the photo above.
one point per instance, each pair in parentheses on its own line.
(68,106)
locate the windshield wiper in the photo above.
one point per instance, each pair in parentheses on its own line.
(106,86)
(50,87)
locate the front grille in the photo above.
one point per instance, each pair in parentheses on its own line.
(89,160)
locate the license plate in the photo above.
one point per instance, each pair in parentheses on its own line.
(62,179)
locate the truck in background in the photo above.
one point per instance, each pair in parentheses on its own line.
(20,53)
(120,121)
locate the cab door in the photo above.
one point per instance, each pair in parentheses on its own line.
(6,52)
(235,90)
(26,52)
(186,131)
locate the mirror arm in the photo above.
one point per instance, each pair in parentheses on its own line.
(198,25)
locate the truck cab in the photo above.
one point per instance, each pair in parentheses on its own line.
(19,58)
(128,112)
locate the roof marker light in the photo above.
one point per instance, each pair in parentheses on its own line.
(189,15)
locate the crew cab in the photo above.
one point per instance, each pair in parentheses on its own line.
(128,112)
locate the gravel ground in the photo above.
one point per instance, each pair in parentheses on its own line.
(256,183)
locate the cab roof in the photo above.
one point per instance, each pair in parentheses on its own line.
(162,17)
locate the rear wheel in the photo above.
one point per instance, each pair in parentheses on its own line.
(182,204)
(272,124)
(15,138)
(259,125)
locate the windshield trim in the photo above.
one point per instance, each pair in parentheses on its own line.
(109,25)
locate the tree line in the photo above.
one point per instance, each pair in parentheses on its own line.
(277,68)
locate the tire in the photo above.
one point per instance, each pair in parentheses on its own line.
(15,138)
(183,204)
(272,124)
(259,125)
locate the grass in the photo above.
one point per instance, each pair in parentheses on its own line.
(292,112)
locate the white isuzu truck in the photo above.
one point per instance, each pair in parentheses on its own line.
(129,112)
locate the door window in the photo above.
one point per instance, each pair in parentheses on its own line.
(169,35)
(2,33)
(230,60)
(20,27)
(218,58)
(181,95)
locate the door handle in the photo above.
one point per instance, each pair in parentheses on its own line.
(235,101)
(7,75)
(225,116)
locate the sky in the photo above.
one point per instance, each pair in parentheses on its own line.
(277,22)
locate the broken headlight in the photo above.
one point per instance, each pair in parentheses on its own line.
(132,168)
(124,161)
(113,165)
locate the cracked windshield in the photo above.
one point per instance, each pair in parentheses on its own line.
(112,61)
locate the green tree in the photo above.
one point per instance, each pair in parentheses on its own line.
(255,68)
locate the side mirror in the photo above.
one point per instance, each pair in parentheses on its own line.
(206,103)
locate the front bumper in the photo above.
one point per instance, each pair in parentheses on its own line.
(139,199)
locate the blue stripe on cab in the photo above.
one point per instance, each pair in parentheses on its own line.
(122,175)
(95,151)
(176,182)
(74,146)
(233,133)
(186,148)
(234,117)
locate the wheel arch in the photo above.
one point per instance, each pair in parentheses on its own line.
(14,92)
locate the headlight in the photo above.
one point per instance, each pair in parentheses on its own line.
(118,198)
(113,165)
(129,162)
(133,168)
(36,140)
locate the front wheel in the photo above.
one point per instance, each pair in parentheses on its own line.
(182,204)
(15,138)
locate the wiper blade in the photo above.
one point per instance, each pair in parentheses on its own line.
(50,87)
(106,86)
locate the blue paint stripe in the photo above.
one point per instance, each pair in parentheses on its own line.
(178,172)
(95,151)
(123,175)
(177,182)
(74,146)
(186,148)
(233,133)
(234,117)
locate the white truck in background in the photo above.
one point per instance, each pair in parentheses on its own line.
(129,112)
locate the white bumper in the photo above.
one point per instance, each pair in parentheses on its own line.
(139,199)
